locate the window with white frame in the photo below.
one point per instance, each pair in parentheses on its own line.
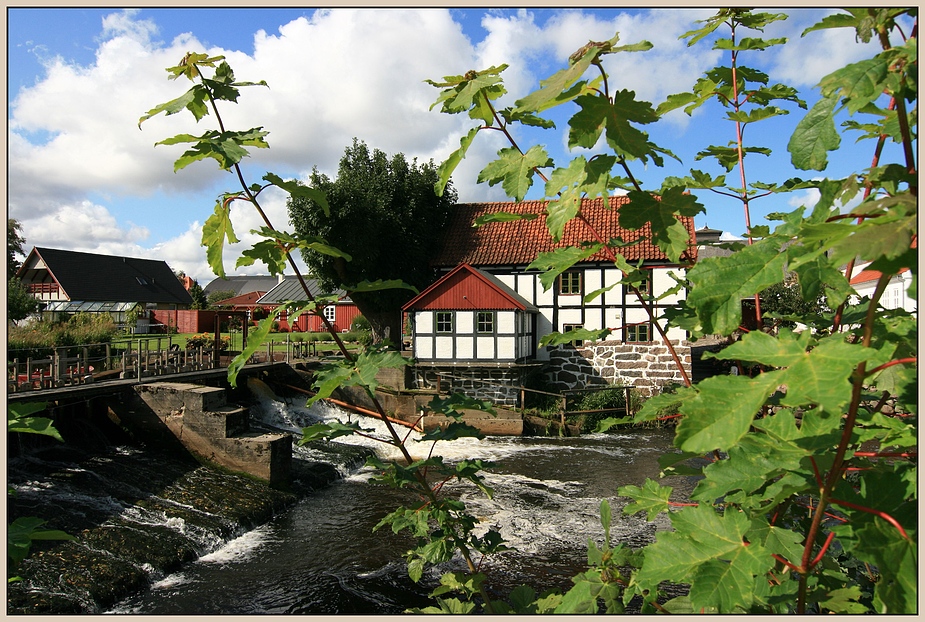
(566,328)
(330,313)
(637,332)
(570,283)
(444,321)
(485,322)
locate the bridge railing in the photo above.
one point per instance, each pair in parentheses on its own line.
(81,364)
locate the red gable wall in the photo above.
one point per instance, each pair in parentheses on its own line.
(463,289)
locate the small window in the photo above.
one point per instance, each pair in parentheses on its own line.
(637,332)
(645,287)
(569,327)
(330,313)
(444,321)
(486,322)
(570,283)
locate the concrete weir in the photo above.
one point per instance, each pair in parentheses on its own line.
(208,427)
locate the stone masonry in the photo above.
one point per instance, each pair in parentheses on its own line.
(645,366)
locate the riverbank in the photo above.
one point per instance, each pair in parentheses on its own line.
(137,513)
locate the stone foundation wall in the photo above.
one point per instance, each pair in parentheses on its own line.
(647,367)
(496,384)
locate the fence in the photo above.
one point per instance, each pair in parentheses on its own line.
(81,364)
(133,358)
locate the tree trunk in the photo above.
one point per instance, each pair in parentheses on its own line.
(385,324)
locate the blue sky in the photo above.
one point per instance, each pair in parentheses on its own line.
(83,176)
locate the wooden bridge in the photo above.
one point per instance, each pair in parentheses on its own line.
(115,385)
(102,368)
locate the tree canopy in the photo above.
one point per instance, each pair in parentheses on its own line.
(385,214)
(14,246)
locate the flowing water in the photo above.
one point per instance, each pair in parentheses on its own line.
(322,556)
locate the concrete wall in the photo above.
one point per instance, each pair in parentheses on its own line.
(214,431)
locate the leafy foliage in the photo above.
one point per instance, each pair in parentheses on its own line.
(787,505)
(24,530)
(384,216)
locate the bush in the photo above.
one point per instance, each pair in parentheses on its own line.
(38,340)
(360,323)
(207,340)
(608,403)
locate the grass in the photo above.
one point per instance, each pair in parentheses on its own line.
(323,342)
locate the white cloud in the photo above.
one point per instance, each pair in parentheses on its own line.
(805,60)
(332,76)
(87,226)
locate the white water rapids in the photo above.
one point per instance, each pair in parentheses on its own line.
(323,556)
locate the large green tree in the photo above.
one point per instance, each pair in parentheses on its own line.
(19,302)
(385,214)
(14,246)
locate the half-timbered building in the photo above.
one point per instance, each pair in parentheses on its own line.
(487,284)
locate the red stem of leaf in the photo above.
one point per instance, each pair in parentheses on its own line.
(886,454)
(822,551)
(873,511)
(786,563)
(905,361)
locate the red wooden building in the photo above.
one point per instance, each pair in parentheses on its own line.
(341,313)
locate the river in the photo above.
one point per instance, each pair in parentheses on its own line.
(322,556)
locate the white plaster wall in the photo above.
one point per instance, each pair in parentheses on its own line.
(464,348)
(444,348)
(424,347)
(506,348)
(615,295)
(424,321)
(485,347)
(506,324)
(465,322)
(662,282)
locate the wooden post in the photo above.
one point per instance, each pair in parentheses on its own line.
(216,353)
(58,365)
(108,361)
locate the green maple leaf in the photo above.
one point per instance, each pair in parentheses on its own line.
(720,283)
(515,170)
(446,168)
(858,84)
(561,86)
(751,464)
(721,411)
(705,550)
(215,231)
(361,372)
(812,375)
(471,93)
(567,185)
(814,136)
(668,233)
(598,114)
(301,191)
(651,498)
(895,557)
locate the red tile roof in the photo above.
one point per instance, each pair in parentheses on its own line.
(518,242)
(866,276)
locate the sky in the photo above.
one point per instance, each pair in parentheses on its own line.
(83,176)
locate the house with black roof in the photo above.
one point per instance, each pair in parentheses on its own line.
(73,282)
